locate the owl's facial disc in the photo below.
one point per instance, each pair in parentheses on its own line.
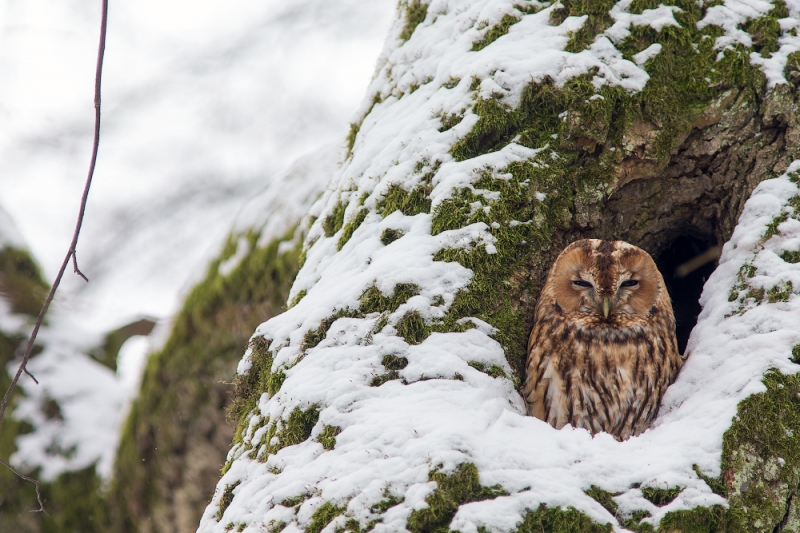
(603,281)
(608,296)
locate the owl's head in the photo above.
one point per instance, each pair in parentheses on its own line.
(605,281)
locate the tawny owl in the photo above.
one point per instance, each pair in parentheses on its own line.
(603,348)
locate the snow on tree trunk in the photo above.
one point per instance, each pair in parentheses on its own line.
(494,133)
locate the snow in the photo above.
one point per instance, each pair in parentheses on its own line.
(205,107)
(394,435)
(732,14)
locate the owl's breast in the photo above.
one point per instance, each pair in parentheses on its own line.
(602,375)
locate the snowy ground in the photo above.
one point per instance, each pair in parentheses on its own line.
(204,103)
(394,435)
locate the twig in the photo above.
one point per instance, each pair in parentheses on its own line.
(72,247)
(34,481)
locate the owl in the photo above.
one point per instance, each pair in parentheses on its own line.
(603,349)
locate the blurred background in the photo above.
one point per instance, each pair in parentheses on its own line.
(205,104)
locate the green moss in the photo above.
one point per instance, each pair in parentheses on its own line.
(449,121)
(335,220)
(493,370)
(327,436)
(416,12)
(597,21)
(393,364)
(780,292)
(765,31)
(356,127)
(604,498)
(189,380)
(352,133)
(772,227)
(276,527)
(660,497)
(323,516)
(315,336)
(390,235)
(297,297)
(226,499)
(352,226)
(495,32)
(21,283)
(496,123)
(409,203)
(791,256)
(296,429)
(634,522)
(380,379)
(557,520)
(698,520)
(386,503)
(761,455)
(586,134)
(250,385)
(294,501)
(373,301)
(451,83)
(460,487)
(412,328)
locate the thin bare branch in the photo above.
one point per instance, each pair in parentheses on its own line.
(32,480)
(72,247)
(75,266)
(30,375)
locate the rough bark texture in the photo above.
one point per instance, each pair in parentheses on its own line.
(668,169)
(175,440)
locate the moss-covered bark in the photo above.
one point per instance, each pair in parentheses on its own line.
(678,158)
(175,439)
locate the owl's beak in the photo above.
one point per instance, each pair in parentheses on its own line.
(606,307)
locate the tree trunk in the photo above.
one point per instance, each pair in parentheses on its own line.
(494,134)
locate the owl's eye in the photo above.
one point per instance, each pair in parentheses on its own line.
(629,283)
(581,283)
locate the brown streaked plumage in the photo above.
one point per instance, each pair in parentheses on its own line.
(603,348)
